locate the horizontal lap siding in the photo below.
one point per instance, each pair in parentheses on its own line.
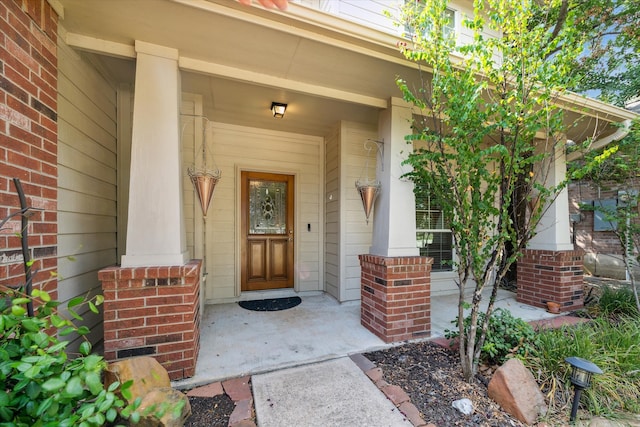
(332,214)
(234,147)
(357,234)
(87,159)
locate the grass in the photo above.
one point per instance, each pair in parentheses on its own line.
(612,346)
(618,301)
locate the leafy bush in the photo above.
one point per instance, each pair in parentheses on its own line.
(618,301)
(507,336)
(614,348)
(40,385)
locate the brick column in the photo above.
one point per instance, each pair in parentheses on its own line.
(545,275)
(396,296)
(153,311)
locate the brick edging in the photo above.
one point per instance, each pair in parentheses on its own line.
(239,391)
(394,393)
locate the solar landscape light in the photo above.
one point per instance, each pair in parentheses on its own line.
(581,372)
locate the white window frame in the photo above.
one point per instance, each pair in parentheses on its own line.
(422,244)
(453,28)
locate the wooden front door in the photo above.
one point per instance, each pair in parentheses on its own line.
(267,231)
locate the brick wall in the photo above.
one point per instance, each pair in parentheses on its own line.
(28,135)
(396,296)
(551,276)
(153,311)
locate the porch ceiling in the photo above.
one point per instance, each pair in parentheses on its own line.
(240,59)
(222,36)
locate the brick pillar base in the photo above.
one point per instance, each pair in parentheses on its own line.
(153,311)
(396,296)
(551,276)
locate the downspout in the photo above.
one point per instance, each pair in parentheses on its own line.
(616,136)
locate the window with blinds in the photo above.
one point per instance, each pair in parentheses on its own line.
(433,236)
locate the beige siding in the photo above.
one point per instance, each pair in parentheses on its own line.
(356,234)
(237,148)
(332,214)
(87,209)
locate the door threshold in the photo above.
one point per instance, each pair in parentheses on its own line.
(275,293)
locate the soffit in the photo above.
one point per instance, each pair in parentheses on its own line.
(273,45)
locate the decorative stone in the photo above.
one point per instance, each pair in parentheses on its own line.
(147,374)
(464,406)
(516,391)
(159,408)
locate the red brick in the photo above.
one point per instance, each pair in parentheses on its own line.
(238,388)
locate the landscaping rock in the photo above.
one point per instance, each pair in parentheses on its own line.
(465,406)
(147,374)
(516,391)
(161,405)
(164,407)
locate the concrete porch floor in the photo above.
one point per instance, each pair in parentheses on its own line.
(236,342)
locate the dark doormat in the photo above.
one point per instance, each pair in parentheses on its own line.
(271,304)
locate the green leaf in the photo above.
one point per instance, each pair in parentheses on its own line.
(75,301)
(94,383)
(31,325)
(33,390)
(53,384)
(83,330)
(4,398)
(57,321)
(66,331)
(111,415)
(113,386)
(17,310)
(88,411)
(85,348)
(74,314)
(32,372)
(21,300)
(74,387)
(44,406)
(93,308)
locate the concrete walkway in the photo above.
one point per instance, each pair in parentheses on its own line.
(331,393)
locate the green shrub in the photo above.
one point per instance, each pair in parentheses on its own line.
(507,336)
(614,348)
(40,385)
(617,302)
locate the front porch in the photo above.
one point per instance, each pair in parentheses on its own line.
(236,342)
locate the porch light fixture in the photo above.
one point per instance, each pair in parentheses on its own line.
(278,109)
(581,372)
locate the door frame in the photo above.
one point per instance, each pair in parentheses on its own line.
(238,224)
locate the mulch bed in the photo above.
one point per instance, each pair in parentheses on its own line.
(210,411)
(431,375)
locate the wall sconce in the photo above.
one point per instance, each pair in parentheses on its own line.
(278,109)
(581,372)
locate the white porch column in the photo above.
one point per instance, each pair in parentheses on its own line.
(155,229)
(553,231)
(394,216)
